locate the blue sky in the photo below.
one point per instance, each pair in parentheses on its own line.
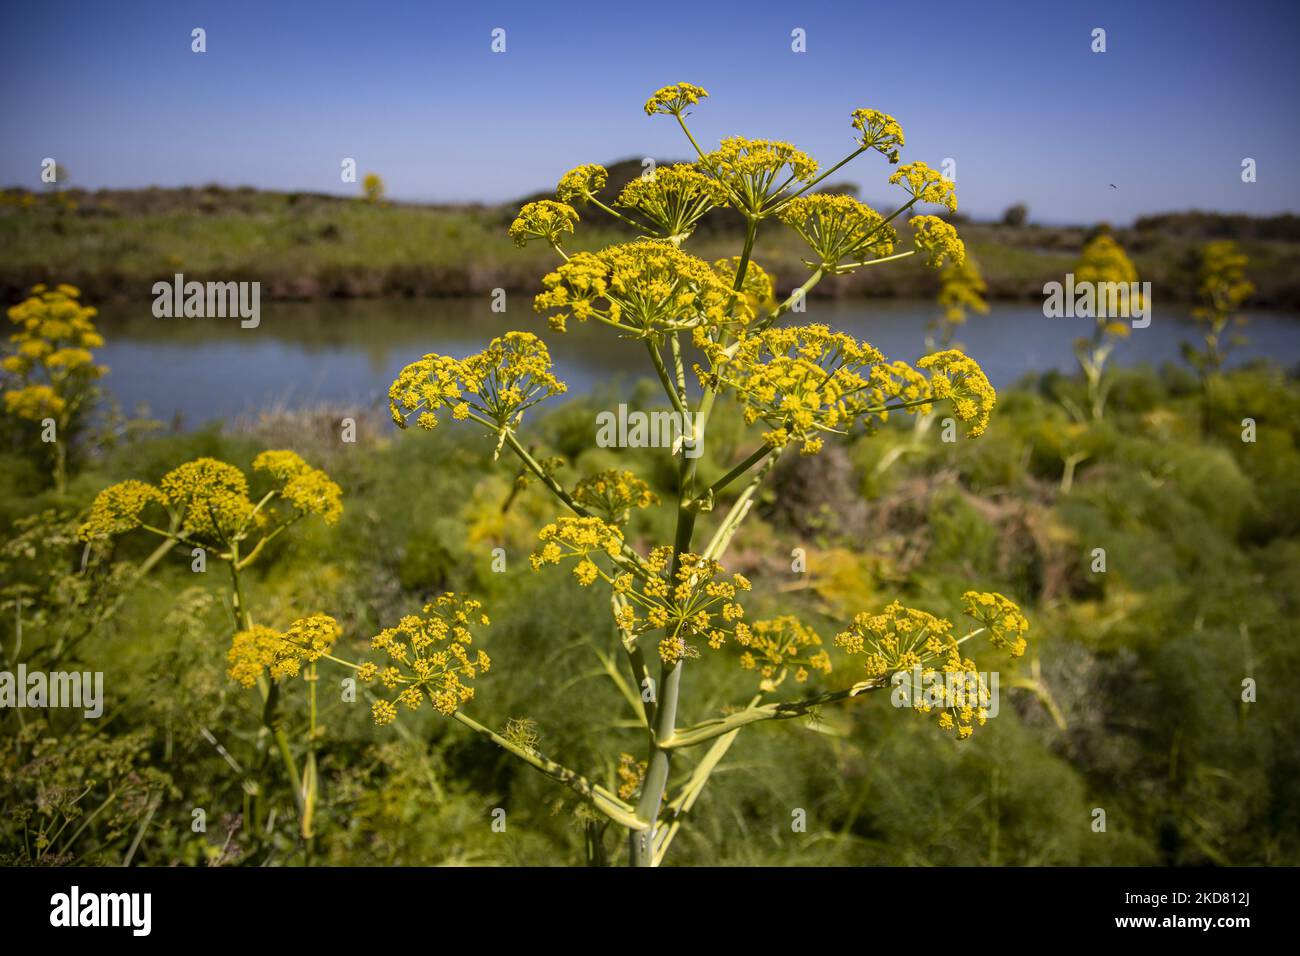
(1011,91)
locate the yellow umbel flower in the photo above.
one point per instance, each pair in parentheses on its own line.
(958,378)
(308,490)
(696,601)
(780,647)
(673,100)
(838,228)
(118,509)
(543,219)
(1006,623)
(808,381)
(631,774)
(613,494)
(757,172)
(213,498)
(50,368)
(496,386)
(961,289)
(252,653)
(673,198)
(879,131)
(645,288)
(581,183)
(758,287)
(938,240)
(926,185)
(429,658)
(579,538)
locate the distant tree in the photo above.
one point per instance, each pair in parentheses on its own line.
(373,187)
(1016,215)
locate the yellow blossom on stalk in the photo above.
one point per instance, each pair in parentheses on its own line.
(1223,287)
(312,637)
(757,172)
(645,288)
(908,642)
(808,381)
(208,499)
(672,100)
(498,384)
(308,490)
(958,378)
(926,185)
(543,219)
(698,601)
(581,183)
(212,496)
(779,646)
(252,652)
(880,132)
(613,494)
(757,286)
(429,658)
(938,240)
(631,774)
(961,289)
(838,228)
(579,538)
(1006,623)
(1104,262)
(673,198)
(118,509)
(49,370)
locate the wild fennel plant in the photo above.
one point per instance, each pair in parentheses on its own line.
(798,385)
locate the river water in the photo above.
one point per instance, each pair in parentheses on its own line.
(346,353)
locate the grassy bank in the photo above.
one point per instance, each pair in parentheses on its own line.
(116,244)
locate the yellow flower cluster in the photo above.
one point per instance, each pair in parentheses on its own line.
(260,650)
(938,240)
(645,288)
(758,288)
(613,494)
(208,499)
(543,219)
(308,490)
(879,131)
(213,498)
(429,658)
(581,183)
(901,639)
(119,509)
(673,198)
(757,172)
(695,602)
(961,288)
(808,381)
(775,646)
(631,774)
(49,365)
(672,100)
(1006,623)
(580,538)
(498,384)
(926,185)
(838,228)
(1223,282)
(958,378)
(1104,261)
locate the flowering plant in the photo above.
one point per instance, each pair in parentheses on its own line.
(675,602)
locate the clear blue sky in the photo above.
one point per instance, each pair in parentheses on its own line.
(412,91)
